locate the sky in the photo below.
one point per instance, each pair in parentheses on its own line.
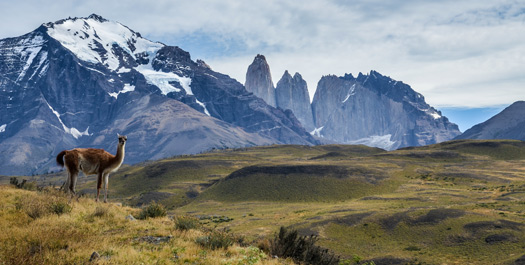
(466,57)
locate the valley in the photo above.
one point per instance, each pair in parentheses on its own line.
(457,202)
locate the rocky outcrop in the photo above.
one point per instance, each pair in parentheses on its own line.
(508,124)
(378,111)
(259,80)
(292,93)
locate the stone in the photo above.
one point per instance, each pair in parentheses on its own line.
(130,218)
(259,80)
(292,93)
(94,256)
(378,111)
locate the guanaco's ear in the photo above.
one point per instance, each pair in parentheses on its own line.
(118,135)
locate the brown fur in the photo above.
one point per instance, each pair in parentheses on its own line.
(91,161)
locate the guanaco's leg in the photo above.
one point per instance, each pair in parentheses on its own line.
(99,185)
(106,181)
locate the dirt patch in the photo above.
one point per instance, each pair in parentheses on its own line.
(484,226)
(159,169)
(462,176)
(387,261)
(369,175)
(148,197)
(437,215)
(328,155)
(376,198)
(392,221)
(499,238)
(348,220)
(458,239)
(424,154)
(432,217)
(342,211)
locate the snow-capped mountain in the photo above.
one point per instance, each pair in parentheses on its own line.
(79,81)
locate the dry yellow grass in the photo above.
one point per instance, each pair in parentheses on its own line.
(71,237)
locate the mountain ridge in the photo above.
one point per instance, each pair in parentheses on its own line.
(508,124)
(70,83)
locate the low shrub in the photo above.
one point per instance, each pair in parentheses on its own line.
(184,223)
(216,239)
(36,208)
(23,185)
(101,212)
(60,207)
(153,210)
(302,249)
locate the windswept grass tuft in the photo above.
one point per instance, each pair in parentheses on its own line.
(216,239)
(184,223)
(153,210)
(36,208)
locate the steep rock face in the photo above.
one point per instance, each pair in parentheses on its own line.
(508,124)
(259,80)
(377,111)
(77,82)
(292,93)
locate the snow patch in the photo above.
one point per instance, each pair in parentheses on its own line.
(435,115)
(317,131)
(127,88)
(73,131)
(28,50)
(351,92)
(383,141)
(162,79)
(2,128)
(204,106)
(94,41)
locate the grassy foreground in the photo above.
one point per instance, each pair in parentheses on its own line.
(45,228)
(458,202)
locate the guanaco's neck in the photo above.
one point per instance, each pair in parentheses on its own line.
(119,157)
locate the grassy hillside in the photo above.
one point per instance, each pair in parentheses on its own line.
(458,202)
(45,228)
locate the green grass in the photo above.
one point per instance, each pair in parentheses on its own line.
(361,201)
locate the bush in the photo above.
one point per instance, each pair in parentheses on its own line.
(101,211)
(153,210)
(301,249)
(216,239)
(184,223)
(23,185)
(60,207)
(38,207)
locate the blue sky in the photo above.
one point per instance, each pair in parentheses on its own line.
(466,57)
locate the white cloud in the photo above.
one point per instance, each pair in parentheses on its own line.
(456,53)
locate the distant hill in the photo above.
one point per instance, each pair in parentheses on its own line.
(508,124)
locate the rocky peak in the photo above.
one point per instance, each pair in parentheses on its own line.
(203,64)
(97,18)
(378,111)
(259,80)
(292,93)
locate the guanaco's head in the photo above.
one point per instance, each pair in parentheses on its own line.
(122,139)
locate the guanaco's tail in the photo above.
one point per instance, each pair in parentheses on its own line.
(60,158)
